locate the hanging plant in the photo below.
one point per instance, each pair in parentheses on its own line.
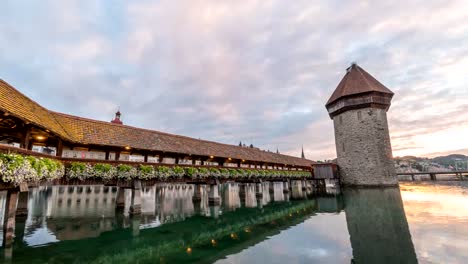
(178,172)
(224,172)
(126,172)
(146,172)
(214,172)
(104,171)
(191,172)
(163,172)
(16,169)
(233,173)
(203,172)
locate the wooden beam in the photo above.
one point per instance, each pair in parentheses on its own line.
(59,151)
(25,140)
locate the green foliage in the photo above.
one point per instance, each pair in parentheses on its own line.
(126,172)
(104,171)
(15,168)
(191,172)
(233,173)
(178,171)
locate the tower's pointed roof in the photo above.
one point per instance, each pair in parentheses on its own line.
(357,81)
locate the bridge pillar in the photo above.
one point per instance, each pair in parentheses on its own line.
(22,207)
(242,192)
(9,218)
(214,211)
(135,206)
(433,176)
(304,185)
(271,187)
(197,193)
(286,187)
(120,201)
(213,197)
(259,190)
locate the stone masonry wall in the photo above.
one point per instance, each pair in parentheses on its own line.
(363,147)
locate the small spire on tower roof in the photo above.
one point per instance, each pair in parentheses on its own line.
(302,154)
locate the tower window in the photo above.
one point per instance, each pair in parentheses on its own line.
(359,117)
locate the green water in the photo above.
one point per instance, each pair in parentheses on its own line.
(418,222)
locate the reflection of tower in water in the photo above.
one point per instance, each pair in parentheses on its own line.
(378,227)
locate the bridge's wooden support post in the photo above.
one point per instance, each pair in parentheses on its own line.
(117,155)
(286,186)
(59,151)
(120,201)
(271,187)
(213,197)
(22,207)
(146,157)
(433,176)
(107,154)
(259,190)
(412,177)
(194,161)
(25,138)
(176,160)
(239,164)
(242,192)
(9,219)
(135,223)
(135,206)
(214,210)
(304,185)
(197,193)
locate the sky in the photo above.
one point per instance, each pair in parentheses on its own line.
(259,72)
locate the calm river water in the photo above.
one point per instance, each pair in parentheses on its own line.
(420,222)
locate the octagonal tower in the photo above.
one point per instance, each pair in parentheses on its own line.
(359,108)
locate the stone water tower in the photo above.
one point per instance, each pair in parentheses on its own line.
(358,108)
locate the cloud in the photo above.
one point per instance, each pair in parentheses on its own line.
(253,71)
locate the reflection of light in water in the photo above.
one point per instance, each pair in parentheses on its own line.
(438,219)
(438,201)
(40,236)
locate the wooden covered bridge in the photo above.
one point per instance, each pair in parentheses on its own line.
(26,124)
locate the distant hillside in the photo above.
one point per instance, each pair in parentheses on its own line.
(451,160)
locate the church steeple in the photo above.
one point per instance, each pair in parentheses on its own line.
(117,118)
(302,154)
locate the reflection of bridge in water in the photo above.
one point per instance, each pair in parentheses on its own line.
(178,217)
(61,213)
(74,212)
